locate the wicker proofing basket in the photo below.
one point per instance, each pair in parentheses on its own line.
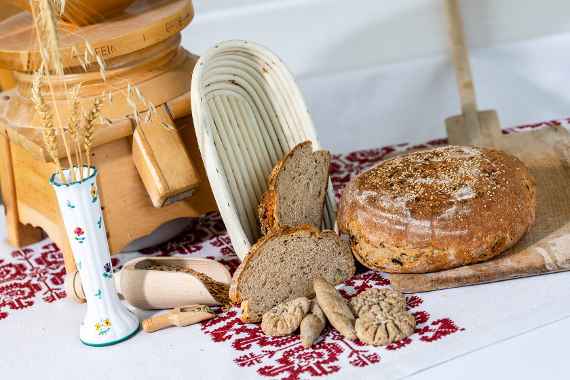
(248,113)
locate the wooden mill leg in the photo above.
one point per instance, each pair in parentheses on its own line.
(18,234)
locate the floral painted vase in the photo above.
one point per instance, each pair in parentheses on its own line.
(107,320)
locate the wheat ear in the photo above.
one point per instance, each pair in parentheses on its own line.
(73,126)
(48,128)
(90,119)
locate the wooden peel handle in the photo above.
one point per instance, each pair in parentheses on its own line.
(460,58)
(156,323)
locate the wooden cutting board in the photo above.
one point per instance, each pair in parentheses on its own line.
(546,247)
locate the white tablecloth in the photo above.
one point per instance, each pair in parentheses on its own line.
(39,326)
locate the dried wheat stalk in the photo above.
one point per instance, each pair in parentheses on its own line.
(58,6)
(45,22)
(48,131)
(46,14)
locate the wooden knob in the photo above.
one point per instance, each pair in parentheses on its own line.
(156,323)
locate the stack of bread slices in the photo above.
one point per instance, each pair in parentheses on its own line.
(294,251)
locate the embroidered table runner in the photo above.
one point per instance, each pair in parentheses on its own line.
(38,328)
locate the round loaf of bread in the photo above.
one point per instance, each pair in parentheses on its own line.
(437,209)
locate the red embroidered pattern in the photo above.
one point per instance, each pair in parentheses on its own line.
(33,274)
(286,358)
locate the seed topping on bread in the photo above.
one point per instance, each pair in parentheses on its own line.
(430,182)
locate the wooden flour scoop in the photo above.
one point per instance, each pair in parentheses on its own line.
(165,282)
(546,152)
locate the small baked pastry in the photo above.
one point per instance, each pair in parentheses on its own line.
(437,209)
(284,319)
(382,317)
(334,307)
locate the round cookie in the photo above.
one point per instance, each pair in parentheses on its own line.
(382,316)
(437,209)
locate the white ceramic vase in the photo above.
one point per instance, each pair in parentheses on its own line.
(107,320)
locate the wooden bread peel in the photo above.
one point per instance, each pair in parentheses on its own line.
(472,127)
(546,247)
(180,316)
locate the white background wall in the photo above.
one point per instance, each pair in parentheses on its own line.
(321,36)
(377,72)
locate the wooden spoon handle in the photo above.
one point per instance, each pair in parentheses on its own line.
(461,59)
(156,323)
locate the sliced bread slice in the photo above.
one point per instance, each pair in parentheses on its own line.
(282,266)
(296,189)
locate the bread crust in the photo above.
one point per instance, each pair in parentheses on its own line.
(269,203)
(234,293)
(437,233)
(266,210)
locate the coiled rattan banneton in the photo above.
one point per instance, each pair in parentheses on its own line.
(248,113)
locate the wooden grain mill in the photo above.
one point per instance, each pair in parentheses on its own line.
(150,172)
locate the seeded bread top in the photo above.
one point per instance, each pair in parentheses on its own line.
(430,182)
